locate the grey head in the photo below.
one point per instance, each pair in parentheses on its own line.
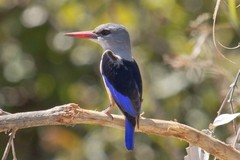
(114,37)
(110,36)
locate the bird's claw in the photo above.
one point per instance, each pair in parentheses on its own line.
(107,113)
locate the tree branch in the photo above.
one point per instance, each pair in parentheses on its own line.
(71,114)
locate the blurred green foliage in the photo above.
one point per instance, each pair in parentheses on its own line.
(184,78)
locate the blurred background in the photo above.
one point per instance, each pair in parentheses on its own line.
(184,78)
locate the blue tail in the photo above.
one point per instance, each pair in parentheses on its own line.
(129,134)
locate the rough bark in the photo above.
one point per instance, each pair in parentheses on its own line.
(72,114)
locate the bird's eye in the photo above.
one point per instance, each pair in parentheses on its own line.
(105,32)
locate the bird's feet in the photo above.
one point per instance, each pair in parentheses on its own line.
(106,111)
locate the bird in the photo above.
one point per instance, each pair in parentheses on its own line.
(120,73)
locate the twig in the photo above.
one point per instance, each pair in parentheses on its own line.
(71,114)
(233,87)
(236,138)
(13,148)
(223,103)
(235,47)
(230,99)
(213,31)
(9,145)
(2,112)
(229,96)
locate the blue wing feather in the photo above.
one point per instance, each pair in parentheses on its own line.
(122,100)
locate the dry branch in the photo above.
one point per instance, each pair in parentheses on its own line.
(71,114)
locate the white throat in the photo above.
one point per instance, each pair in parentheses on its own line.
(121,50)
(123,54)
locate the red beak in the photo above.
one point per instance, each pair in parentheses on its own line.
(83,34)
